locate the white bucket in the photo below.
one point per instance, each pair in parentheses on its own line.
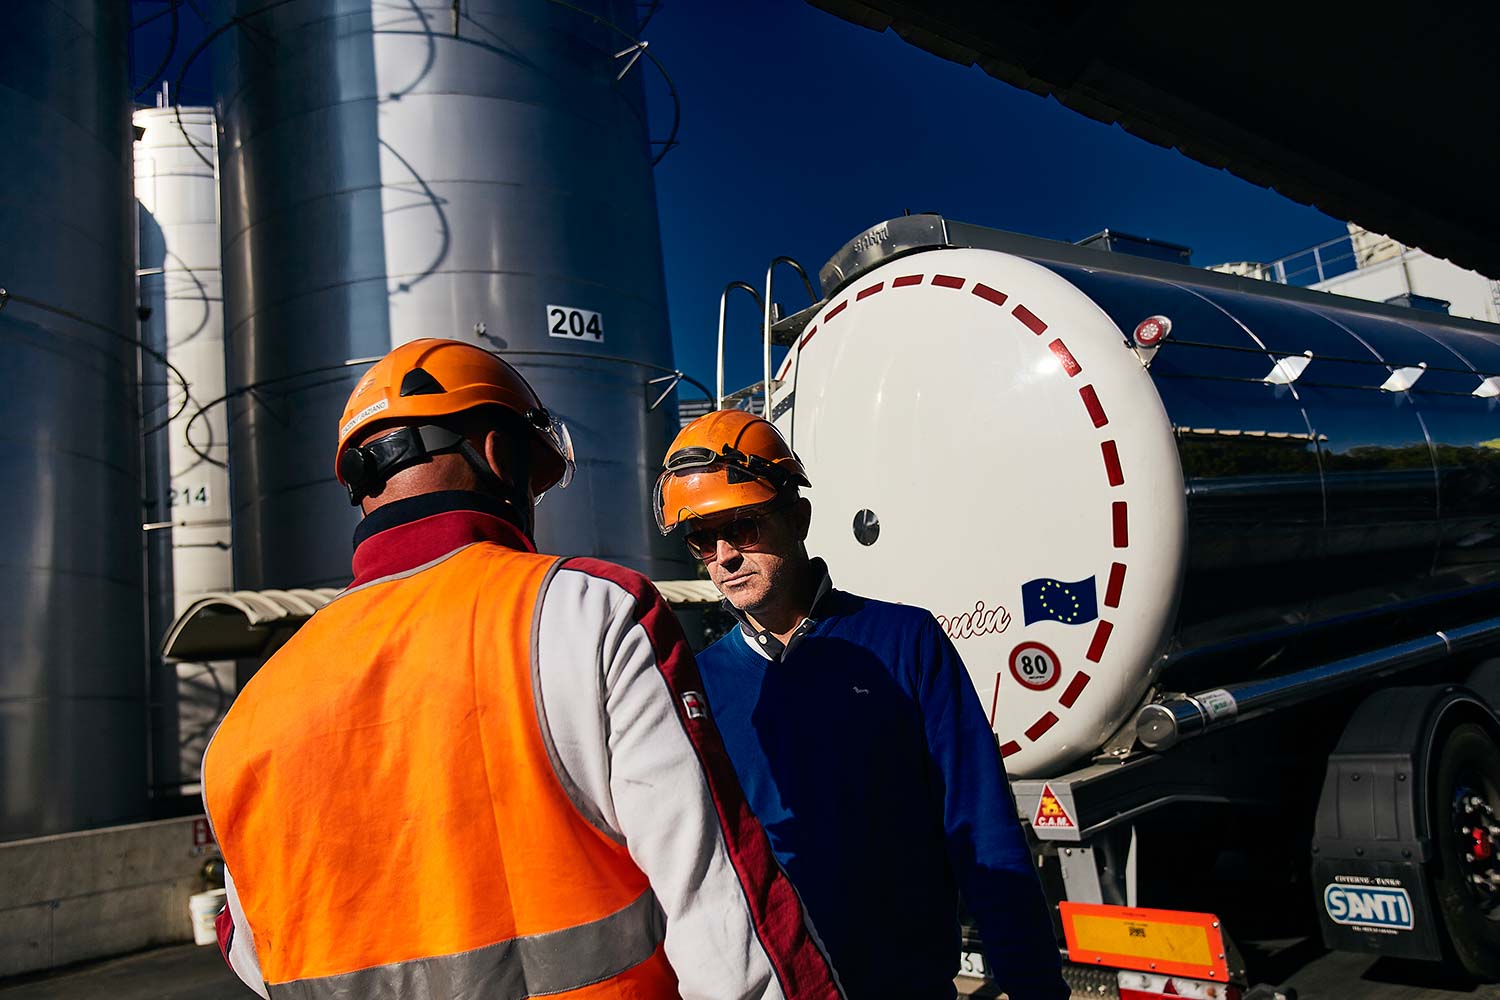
(205,906)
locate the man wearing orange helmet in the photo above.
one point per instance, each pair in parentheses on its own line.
(857,736)
(480,771)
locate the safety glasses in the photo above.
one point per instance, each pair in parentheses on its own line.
(556,434)
(742,533)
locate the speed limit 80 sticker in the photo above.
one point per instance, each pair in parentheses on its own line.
(1035,666)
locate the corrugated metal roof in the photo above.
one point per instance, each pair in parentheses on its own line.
(680,593)
(241,624)
(252,624)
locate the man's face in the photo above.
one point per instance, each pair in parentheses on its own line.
(749,576)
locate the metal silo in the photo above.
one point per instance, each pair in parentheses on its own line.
(394,171)
(72,718)
(187,452)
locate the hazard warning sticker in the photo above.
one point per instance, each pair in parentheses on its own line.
(1050,812)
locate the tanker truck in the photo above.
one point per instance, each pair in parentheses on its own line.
(1222,557)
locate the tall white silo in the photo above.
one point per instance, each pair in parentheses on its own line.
(402,170)
(187,471)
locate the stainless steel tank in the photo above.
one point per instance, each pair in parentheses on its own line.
(1326,503)
(187,464)
(396,171)
(72,713)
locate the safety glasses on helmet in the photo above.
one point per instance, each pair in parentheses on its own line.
(556,432)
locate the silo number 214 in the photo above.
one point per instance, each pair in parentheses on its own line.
(572,323)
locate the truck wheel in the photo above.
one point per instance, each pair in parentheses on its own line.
(1466,820)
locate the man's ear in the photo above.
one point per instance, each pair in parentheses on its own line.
(801,517)
(497,455)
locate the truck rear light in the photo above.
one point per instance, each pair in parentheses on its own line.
(1145,986)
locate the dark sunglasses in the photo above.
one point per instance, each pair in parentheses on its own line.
(741,533)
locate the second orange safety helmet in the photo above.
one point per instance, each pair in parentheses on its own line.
(725,460)
(432,378)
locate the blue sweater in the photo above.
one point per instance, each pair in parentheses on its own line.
(867,757)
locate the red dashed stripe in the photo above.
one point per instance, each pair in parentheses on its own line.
(1075,688)
(806,337)
(1112,463)
(1040,727)
(1091,403)
(947,281)
(836,310)
(990,294)
(1028,317)
(1009,747)
(907,279)
(1101,639)
(1122,527)
(1116,584)
(869,291)
(1069,363)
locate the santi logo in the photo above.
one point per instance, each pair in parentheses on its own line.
(1369,906)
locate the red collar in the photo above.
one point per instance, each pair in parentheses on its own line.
(426,537)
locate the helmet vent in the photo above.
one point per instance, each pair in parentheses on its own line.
(419,383)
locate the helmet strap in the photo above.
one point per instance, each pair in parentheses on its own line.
(512,494)
(367,468)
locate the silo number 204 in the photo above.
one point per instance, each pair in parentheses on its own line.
(572,323)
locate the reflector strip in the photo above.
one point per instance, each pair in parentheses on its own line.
(1101,639)
(1040,726)
(836,310)
(1028,317)
(947,281)
(1075,688)
(1112,463)
(1069,363)
(1091,403)
(1116,583)
(1008,748)
(990,294)
(870,291)
(806,337)
(1168,942)
(907,279)
(1121,523)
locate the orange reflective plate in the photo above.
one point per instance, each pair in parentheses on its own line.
(1170,942)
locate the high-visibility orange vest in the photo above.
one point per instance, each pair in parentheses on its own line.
(393,822)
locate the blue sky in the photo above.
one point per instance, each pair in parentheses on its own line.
(799,130)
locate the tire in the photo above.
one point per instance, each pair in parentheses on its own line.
(1468,767)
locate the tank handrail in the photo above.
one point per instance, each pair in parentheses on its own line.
(723,301)
(1162,725)
(766,307)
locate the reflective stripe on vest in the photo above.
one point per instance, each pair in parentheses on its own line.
(537,965)
(383,793)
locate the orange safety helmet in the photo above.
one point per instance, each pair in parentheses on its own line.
(724,460)
(431,378)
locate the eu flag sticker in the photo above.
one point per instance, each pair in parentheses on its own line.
(1048,600)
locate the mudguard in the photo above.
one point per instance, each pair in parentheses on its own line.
(1371,841)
